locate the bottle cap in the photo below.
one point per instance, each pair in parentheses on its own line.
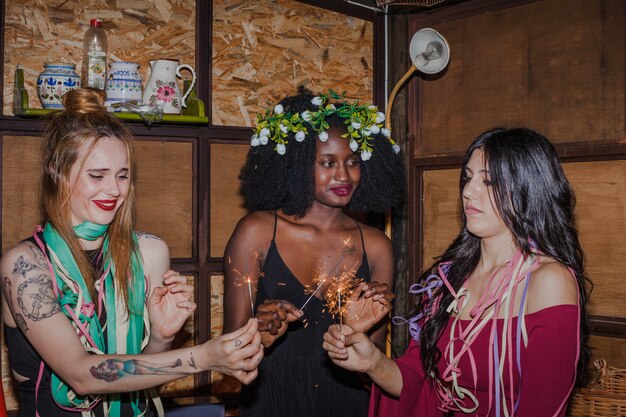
(95,23)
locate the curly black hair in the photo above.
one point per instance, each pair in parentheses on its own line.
(270,181)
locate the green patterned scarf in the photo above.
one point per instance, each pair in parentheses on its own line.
(125,330)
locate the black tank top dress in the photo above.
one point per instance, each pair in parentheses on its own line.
(296,377)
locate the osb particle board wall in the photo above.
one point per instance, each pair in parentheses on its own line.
(52,31)
(263,50)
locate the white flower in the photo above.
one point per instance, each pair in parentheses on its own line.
(386,132)
(366,155)
(306,116)
(375,129)
(317,101)
(300,136)
(323,136)
(396,148)
(263,140)
(278,109)
(380,117)
(254,141)
(366,131)
(265,132)
(356,125)
(332,106)
(372,107)
(281,148)
(353,145)
(283,128)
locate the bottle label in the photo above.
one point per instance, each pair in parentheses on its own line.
(97,70)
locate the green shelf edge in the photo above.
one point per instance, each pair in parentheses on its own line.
(167,118)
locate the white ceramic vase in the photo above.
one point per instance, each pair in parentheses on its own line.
(55,80)
(162,87)
(123,83)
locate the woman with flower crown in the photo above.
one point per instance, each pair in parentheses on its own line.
(503,323)
(89,308)
(311,158)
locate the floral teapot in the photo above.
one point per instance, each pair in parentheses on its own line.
(162,87)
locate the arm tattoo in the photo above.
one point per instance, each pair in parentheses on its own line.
(115,369)
(147,235)
(39,257)
(19,319)
(22,266)
(36,299)
(192,362)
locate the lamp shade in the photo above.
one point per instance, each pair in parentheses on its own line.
(429,51)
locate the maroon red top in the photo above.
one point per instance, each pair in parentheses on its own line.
(548,370)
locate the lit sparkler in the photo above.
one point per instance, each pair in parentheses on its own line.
(246,279)
(341,287)
(320,276)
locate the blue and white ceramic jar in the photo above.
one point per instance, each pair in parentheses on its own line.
(123,83)
(55,80)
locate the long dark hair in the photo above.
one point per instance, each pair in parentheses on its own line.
(536,202)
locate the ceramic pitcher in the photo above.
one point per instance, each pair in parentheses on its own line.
(55,80)
(162,87)
(123,83)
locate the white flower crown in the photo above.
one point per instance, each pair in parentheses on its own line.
(362,122)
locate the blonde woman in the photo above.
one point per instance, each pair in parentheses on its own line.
(90,308)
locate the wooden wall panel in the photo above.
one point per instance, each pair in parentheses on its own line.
(609,348)
(600,188)
(52,31)
(164,191)
(165,184)
(543,65)
(441,212)
(600,213)
(226,202)
(20,182)
(263,50)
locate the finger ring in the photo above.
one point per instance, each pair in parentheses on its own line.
(241,366)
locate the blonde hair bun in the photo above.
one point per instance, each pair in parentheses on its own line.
(84,100)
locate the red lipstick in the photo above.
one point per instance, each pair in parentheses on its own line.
(342,190)
(106,205)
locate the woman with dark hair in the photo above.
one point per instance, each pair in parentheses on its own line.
(311,158)
(90,308)
(503,324)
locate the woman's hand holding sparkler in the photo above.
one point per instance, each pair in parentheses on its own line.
(367,305)
(237,353)
(350,349)
(274,316)
(355,351)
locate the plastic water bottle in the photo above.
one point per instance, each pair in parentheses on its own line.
(94,56)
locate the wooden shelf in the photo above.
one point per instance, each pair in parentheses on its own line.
(167,118)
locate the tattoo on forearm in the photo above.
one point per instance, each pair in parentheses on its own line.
(8,293)
(39,257)
(147,235)
(36,298)
(22,266)
(192,362)
(115,369)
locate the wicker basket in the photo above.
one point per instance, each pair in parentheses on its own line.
(605,396)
